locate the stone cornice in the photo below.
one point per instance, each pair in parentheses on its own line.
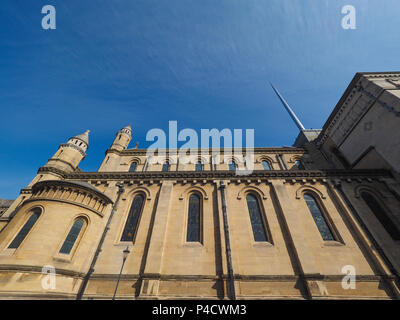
(72,185)
(76,193)
(26,191)
(143,152)
(391,74)
(221,174)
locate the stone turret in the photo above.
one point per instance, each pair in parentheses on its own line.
(70,154)
(122,139)
(120,143)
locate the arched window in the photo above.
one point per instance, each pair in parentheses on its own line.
(199,166)
(72,236)
(266,165)
(381,215)
(165,166)
(299,165)
(25,229)
(133,166)
(194,219)
(256,219)
(232,165)
(133,219)
(319,218)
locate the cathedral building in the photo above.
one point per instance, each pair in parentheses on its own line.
(318,220)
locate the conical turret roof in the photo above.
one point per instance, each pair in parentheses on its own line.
(84,137)
(127,129)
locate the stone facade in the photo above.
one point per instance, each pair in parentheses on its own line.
(226,263)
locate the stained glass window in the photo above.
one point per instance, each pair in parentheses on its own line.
(72,236)
(299,165)
(199,166)
(133,166)
(318,217)
(381,215)
(232,165)
(266,165)
(256,219)
(194,216)
(25,229)
(133,219)
(165,166)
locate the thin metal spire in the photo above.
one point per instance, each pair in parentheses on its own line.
(288,109)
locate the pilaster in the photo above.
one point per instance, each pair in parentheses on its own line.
(155,256)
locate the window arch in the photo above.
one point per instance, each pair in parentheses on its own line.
(132,221)
(299,164)
(194,219)
(133,167)
(165,166)
(256,219)
(25,229)
(73,235)
(319,219)
(199,166)
(266,165)
(381,215)
(232,165)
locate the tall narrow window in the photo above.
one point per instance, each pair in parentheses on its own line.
(72,236)
(256,219)
(25,229)
(299,165)
(319,218)
(232,165)
(194,217)
(381,215)
(133,166)
(133,219)
(165,166)
(266,165)
(199,166)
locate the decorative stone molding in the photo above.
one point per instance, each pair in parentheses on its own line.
(143,190)
(76,193)
(202,152)
(136,177)
(303,189)
(266,158)
(135,159)
(194,188)
(70,145)
(251,188)
(376,192)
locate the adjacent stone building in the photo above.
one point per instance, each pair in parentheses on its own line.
(297,227)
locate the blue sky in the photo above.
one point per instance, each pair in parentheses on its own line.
(204,63)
